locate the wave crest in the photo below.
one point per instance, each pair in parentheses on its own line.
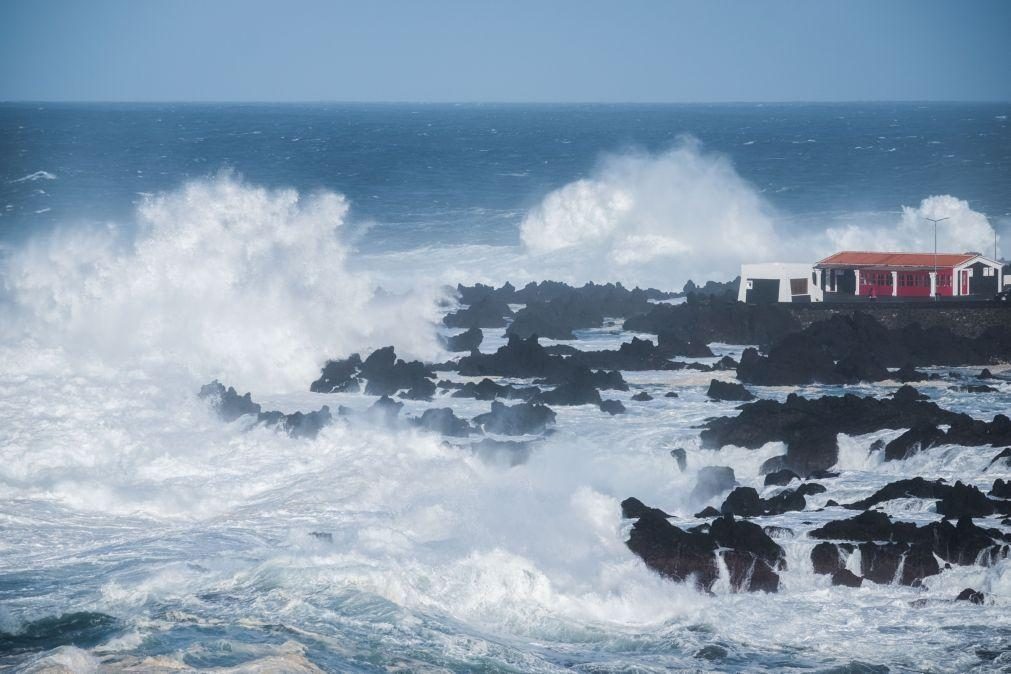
(221,277)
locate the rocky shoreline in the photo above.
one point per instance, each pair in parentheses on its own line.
(525,383)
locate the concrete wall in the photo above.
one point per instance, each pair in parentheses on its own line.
(969,319)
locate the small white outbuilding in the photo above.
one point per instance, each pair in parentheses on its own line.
(778,282)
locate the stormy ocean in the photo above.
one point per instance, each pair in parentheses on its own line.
(146,250)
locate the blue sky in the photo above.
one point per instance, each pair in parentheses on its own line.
(548,50)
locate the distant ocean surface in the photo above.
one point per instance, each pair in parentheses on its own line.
(465,174)
(146,250)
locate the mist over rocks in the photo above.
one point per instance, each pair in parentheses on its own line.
(229,406)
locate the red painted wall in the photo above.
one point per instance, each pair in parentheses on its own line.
(911,283)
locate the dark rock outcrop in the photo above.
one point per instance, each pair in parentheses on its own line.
(642,397)
(1001,489)
(781,478)
(632,509)
(809,426)
(612,407)
(917,439)
(339,376)
(705,322)
(384,410)
(888,547)
(972,596)
(467,340)
(485,312)
(486,389)
(727,390)
(846,578)
(384,372)
(751,557)
(521,419)
(745,502)
(443,421)
(230,406)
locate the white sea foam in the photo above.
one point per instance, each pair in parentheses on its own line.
(32,177)
(222,278)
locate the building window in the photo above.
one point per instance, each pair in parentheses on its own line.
(987,271)
(798,286)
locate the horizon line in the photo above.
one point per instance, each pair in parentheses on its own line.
(28,101)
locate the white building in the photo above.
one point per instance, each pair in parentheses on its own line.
(778,282)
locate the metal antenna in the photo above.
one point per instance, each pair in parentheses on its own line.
(935,253)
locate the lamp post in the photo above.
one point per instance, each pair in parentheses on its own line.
(935,221)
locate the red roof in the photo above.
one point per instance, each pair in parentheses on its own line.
(848,258)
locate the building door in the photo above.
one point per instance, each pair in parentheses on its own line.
(983,280)
(846,282)
(762,291)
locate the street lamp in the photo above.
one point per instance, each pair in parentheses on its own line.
(935,221)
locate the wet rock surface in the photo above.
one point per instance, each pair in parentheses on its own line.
(752,559)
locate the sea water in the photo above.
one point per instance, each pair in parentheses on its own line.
(147,249)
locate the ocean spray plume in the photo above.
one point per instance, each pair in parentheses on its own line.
(963,230)
(221,278)
(640,215)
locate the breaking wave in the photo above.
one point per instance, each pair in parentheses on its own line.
(220,277)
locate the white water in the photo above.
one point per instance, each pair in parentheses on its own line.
(121,493)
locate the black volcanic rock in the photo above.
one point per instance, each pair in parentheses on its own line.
(1001,489)
(638,354)
(227,402)
(486,312)
(526,358)
(964,500)
(642,397)
(916,487)
(846,349)
(781,478)
(521,419)
(612,407)
(963,543)
(917,439)
(907,373)
(556,319)
(1003,458)
(339,376)
(745,502)
(975,388)
(809,426)
(751,557)
(443,421)
(716,321)
(725,390)
(229,406)
(384,410)
(632,509)
(384,372)
(972,596)
(671,344)
(468,340)
(826,558)
(571,393)
(846,578)
(486,389)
